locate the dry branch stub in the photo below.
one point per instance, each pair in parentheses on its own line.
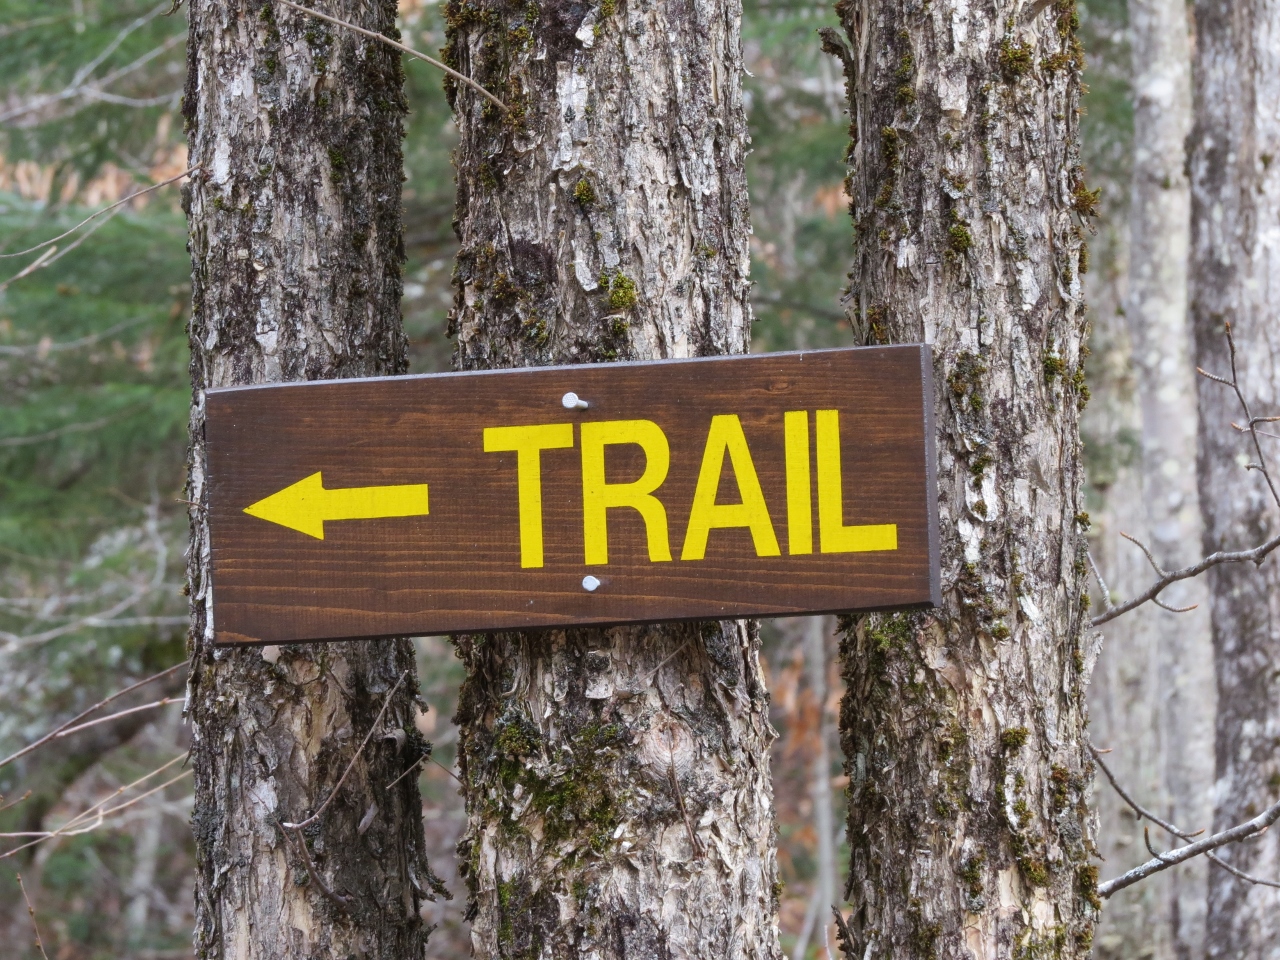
(671,490)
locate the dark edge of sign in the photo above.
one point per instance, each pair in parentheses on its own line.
(931,475)
(578,625)
(569,367)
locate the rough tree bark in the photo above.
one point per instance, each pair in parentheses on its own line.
(1235,276)
(618,793)
(824,880)
(1162,722)
(963,728)
(295,241)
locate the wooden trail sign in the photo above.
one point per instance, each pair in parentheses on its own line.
(566,496)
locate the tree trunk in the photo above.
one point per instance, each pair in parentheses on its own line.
(1183,694)
(296,253)
(1163,732)
(823,896)
(618,793)
(963,728)
(1235,275)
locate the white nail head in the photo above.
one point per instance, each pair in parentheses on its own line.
(590,583)
(572,401)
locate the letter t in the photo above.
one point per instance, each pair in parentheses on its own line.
(528,444)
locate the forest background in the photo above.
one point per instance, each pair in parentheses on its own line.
(94,393)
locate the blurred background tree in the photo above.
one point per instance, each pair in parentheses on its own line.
(93,408)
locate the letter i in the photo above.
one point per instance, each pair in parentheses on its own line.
(799,482)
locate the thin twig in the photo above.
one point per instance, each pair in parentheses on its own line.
(31,912)
(1142,811)
(132,196)
(400,46)
(1206,846)
(75,827)
(1147,551)
(694,842)
(333,793)
(13,803)
(412,767)
(37,350)
(312,872)
(674,653)
(52,254)
(1256,555)
(80,716)
(122,713)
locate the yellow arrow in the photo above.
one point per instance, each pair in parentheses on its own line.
(306,505)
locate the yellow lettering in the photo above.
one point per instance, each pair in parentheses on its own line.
(598,496)
(799,482)
(706,515)
(528,444)
(834,536)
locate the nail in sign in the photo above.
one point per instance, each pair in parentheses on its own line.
(570,496)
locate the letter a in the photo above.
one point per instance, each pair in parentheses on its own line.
(706,515)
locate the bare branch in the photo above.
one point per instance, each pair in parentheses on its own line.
(1169,827)
(35,349)
(1146,550)
(52,255)
(80,716)
(31,912)
(1161,862)
(1256,555)
(13,803)
(1239,832)
(118,203)
(76,825)
(79,84)
(312,872)
(87,426)
(400,46)
(123,713)
(1234,384)
(1164,606)
(108,617)
(345,773)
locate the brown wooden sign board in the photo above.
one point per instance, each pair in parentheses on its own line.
(714,488)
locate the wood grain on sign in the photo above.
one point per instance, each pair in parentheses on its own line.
(713,488)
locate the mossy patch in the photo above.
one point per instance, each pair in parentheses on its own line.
(620,291)
(584,195)
(1015,59)
(1014,739)
(1054,366)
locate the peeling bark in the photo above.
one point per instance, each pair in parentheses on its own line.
(963,728)
(1235,275)
(296,252)
(618,793)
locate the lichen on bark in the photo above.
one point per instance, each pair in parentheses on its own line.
(963,727)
